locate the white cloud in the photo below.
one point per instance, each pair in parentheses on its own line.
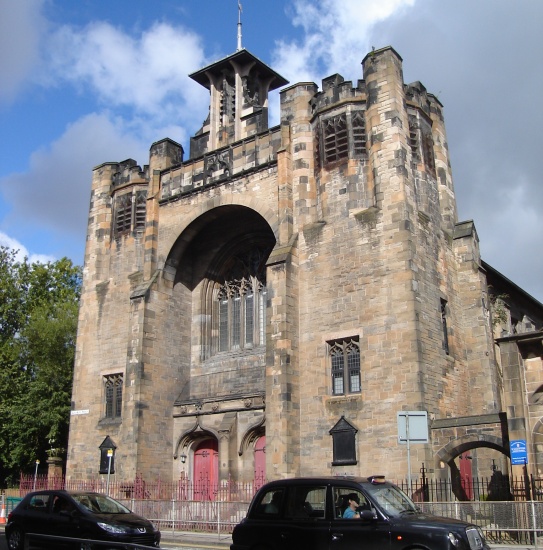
(143,81)
(21,29)
(147,73)
(22,252)
(332,33)
(55,191)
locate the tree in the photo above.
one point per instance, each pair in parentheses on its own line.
(38,324)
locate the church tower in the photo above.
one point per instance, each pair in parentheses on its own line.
(267,307)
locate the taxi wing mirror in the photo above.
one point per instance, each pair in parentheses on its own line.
(367,515)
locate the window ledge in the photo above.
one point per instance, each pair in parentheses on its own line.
(110,422)
(337,399)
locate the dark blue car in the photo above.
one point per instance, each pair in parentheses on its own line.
(77,515)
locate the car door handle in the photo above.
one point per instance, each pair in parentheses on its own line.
(337,536)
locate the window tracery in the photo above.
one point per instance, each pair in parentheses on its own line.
(345,363)
(241,302)
(130,212)
(336,142)
(113,386)
(341,137)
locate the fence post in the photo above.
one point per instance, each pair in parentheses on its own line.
(173,516)
(527,487)
(534,519)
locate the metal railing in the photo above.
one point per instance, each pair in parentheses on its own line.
(515,523)
(507,522)
(493,488)
(216,507)
(502,522)
(176,516)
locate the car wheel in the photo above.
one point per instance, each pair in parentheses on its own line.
(16,539)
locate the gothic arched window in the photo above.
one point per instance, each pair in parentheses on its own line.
(242,304)
(345,359)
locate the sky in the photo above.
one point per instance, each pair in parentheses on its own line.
(84,82)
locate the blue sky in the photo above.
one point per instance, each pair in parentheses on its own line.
(88,81)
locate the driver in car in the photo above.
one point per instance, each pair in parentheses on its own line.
(354,502)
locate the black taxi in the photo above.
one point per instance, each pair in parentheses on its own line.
(346,513)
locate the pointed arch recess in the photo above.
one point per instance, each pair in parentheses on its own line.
(252,434)
(196,433)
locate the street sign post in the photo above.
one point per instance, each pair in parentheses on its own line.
(412,428)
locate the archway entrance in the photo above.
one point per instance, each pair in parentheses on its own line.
(206,469)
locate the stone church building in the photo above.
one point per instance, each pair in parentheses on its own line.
(278,301)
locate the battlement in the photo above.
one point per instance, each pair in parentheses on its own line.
(129,172)
(335,89)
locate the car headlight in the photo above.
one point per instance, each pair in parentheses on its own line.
(475,538)
(453,538)
(116,529)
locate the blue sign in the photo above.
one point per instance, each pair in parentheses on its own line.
(519,456)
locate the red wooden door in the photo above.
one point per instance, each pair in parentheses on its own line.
(466,475)
(260,461)
(206,470)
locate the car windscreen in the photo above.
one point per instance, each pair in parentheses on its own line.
(391,499)
(100,504)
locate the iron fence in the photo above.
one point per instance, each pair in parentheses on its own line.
(207,506)
(492,488)
(512,522)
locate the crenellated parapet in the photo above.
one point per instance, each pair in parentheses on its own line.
(336,90)
(129,172)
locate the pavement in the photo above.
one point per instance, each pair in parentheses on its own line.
(188,540)
(184,540)
(181,540)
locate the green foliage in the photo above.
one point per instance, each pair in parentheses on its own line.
(38,324)
(500,314)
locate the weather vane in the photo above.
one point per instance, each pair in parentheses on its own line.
(239,25)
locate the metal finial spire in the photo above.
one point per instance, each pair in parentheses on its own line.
(239,25)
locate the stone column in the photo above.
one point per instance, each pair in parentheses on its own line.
(54,468)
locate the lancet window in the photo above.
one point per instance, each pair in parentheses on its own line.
(242,305)
(130,212)
(359,133)
(340,137)
(241,302)
(113,386)
(345,359)
(336,142)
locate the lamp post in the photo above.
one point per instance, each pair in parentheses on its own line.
(36,474)
(109,457)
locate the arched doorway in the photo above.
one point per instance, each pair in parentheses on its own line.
(260,461)
(206,469)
